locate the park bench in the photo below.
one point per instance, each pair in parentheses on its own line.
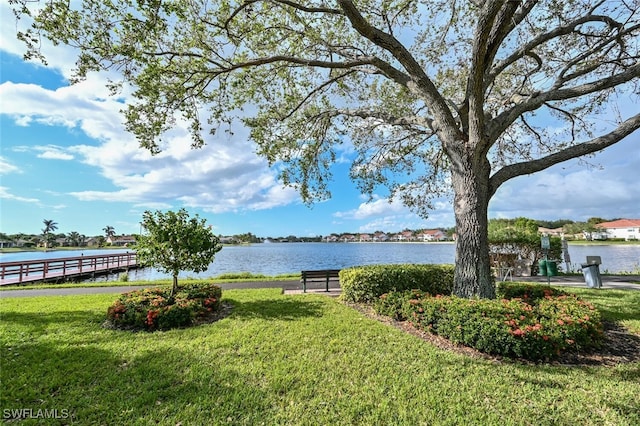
(325,275)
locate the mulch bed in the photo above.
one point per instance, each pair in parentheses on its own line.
(619,346)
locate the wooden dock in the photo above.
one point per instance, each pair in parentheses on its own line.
(65,268)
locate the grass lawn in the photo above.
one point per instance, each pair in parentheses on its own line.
(288,360)
(221,279)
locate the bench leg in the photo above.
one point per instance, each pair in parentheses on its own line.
(327,283)
(304,285)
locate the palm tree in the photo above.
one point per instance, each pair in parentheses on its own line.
(49,226)
(109,231)
(74,238)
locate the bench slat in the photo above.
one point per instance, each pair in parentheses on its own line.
(325,274)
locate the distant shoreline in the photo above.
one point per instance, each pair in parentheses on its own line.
(570,242)
(603,243)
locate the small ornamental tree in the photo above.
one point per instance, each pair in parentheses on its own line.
(174,242)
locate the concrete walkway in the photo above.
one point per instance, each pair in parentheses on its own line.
(622,282)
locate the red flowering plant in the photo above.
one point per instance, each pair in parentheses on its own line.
(394,304)
(526,291)
(540,325)
(154,308)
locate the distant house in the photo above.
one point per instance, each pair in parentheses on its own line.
(92,242)
(6,244)
(364,238)
(347,238)
(122,240)
(627,229)
(432,235)
(380,237)
(404,236)
(25,243)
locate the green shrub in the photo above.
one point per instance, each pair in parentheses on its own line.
(396,304)
(526,291)
(512,328)
(154,309)
(535,328)
(240,275)
(364,284)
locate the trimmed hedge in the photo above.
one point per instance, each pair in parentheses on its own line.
(364,284)
(526,291)
(153,309)
(539,325)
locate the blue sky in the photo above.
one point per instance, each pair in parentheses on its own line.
(65,156)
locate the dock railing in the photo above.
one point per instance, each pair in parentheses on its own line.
(26,271)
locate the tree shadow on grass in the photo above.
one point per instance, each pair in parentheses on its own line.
(39,322)
(287,309)
(92,385)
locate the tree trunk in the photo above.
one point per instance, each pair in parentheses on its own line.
(473,276)
(174,289)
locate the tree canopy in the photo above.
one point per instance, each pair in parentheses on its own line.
(174,242)
(109,231)
(47,232)
(520,237)
(431,97)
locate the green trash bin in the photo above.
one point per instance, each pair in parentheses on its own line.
(552,268)
(542,267)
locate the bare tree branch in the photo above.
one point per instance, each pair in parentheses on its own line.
(387,118)
(303,8)
(500,123)
(421,82)
(528,167)
(316,90)
(544,38)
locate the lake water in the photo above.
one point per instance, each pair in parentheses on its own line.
(282,258)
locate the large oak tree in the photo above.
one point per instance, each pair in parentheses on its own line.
(432,96)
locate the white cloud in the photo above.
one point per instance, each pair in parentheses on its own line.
(152,206)
(68,106)
(379,214)
(378,207)
(6,195)
(6,167)
(53,153)
(574,191)
(223,176)
(389,224)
